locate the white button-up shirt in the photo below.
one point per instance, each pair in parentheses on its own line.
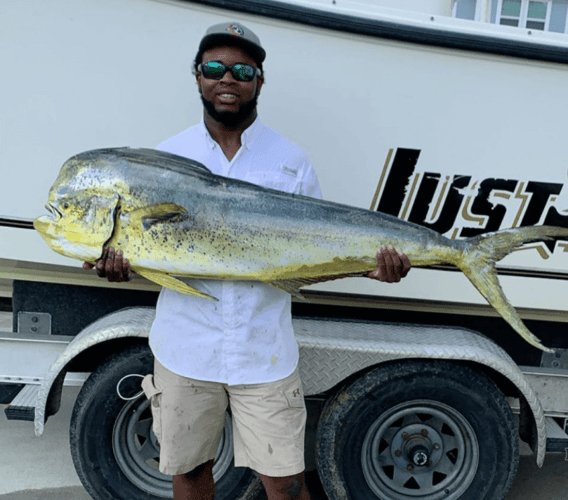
(246,337)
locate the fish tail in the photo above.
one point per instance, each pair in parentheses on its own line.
(478,260)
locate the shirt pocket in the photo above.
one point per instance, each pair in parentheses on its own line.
(282,177)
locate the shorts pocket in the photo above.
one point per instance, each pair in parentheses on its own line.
(295,416)
(295,396)
(155,397)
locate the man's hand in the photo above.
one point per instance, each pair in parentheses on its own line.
(392,265)
(112,265)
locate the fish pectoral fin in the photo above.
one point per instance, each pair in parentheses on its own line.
(161,212)
(172,283)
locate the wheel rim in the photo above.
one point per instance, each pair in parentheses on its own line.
(422,450)
(137,452)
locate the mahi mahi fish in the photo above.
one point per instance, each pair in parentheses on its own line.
(173,218)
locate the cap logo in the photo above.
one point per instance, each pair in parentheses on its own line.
(235,29)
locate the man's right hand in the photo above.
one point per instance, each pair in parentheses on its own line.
(392,265)
(112,265)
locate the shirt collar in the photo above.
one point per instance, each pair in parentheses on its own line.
(251,134)
(248,137)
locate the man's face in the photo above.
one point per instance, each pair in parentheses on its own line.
(227,100)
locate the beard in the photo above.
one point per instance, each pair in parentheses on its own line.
(229,118)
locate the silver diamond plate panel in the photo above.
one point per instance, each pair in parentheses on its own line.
(134,322)
(330,351)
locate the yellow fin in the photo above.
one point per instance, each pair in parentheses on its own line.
(478,264)
(292,286)
(172,283)
(289,286)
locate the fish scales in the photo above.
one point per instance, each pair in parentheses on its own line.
(173,218)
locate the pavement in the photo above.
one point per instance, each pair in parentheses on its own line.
(71,493)
(39,468)
(33,468)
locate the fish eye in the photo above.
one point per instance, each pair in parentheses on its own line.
(66,205)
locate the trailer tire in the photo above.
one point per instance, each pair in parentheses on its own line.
(419,429)
(114,449)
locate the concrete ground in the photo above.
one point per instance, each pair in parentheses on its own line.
(39,468)
(34,468)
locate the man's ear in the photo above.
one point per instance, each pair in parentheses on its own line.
(198,81)
(259,84)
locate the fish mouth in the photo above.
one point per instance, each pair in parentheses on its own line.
(45,224)
(54,214)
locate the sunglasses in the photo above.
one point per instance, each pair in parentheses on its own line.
(215,70)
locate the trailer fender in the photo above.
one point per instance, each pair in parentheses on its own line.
(130,322)
(332,350)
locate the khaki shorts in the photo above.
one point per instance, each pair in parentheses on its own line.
(268,422)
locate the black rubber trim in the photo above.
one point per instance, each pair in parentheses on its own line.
(511,271)
(13,222)
(392,31)
(9,391)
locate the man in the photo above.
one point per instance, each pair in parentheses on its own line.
(242,348)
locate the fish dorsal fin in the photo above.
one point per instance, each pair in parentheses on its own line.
(172,283)
(160,212)
(154,157)
(292,286)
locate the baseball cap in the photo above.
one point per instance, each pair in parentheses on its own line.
(232,33)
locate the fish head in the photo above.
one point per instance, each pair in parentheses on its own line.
(82,205)
(79,226)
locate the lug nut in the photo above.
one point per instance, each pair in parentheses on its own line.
(410,467)
(398,453)
(424,432)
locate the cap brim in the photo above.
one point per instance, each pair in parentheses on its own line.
(218,39)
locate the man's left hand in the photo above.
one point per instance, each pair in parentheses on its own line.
(392,265)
